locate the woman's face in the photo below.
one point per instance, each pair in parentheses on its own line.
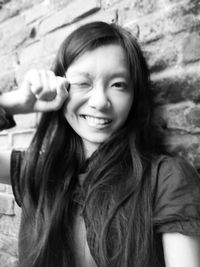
(100,94)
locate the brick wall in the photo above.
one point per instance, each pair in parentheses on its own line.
(168,30)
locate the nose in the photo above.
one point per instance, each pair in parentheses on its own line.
(98,98)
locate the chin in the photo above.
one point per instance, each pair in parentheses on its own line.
(97,140)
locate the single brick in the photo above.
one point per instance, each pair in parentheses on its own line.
(193,117)
(26,121)
(6,204)
(177,86)
(191,48)
(4,140)
(9,225)
(22,139)
(144,7)
(182,116)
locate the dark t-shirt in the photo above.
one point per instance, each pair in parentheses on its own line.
(176,202)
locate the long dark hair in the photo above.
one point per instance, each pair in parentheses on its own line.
(117,187)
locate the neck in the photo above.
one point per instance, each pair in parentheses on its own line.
(89,148)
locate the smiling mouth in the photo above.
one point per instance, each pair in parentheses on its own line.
(96,121)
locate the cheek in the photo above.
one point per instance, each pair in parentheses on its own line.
(68,110)
(124,105)
(71,110)
(70,105)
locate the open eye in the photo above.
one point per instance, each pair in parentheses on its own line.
(120,85)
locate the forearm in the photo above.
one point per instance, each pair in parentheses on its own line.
(181,250)
(10,102)
(36,94)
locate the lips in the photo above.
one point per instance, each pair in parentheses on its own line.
(96,121)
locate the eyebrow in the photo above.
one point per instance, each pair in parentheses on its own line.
(121,73)
(82,73)
(115,74)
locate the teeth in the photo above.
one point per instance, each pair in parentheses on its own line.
(97,121)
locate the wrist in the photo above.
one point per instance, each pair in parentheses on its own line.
(10,102)
(6,118)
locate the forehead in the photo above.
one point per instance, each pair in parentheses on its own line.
(104,59)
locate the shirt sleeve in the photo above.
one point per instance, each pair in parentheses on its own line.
(16,162)
(176,197)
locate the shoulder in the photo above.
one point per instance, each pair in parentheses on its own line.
(175,187)
(175,196)
(173,171)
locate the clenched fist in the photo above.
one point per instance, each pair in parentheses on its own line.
(40,91)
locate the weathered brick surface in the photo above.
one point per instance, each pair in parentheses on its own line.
(26,122)
(157,57)
(22,139)
(182,116)
(168,30)
(6,245)
(60,18)
(4,140)
(185,144)
(177,84)
(7,80)
(2,188)
(9,224)
(13,32)
(6,204)
(7,260)
(8,11)
(191,48)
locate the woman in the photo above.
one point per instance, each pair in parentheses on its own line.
(94,186)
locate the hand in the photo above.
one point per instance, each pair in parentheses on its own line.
(43,91)
(40,91)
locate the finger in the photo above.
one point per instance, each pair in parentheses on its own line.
(58,101)
(62,90)
(53,83)
(49,81)
(49,91)
(43,94)
(33,80)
